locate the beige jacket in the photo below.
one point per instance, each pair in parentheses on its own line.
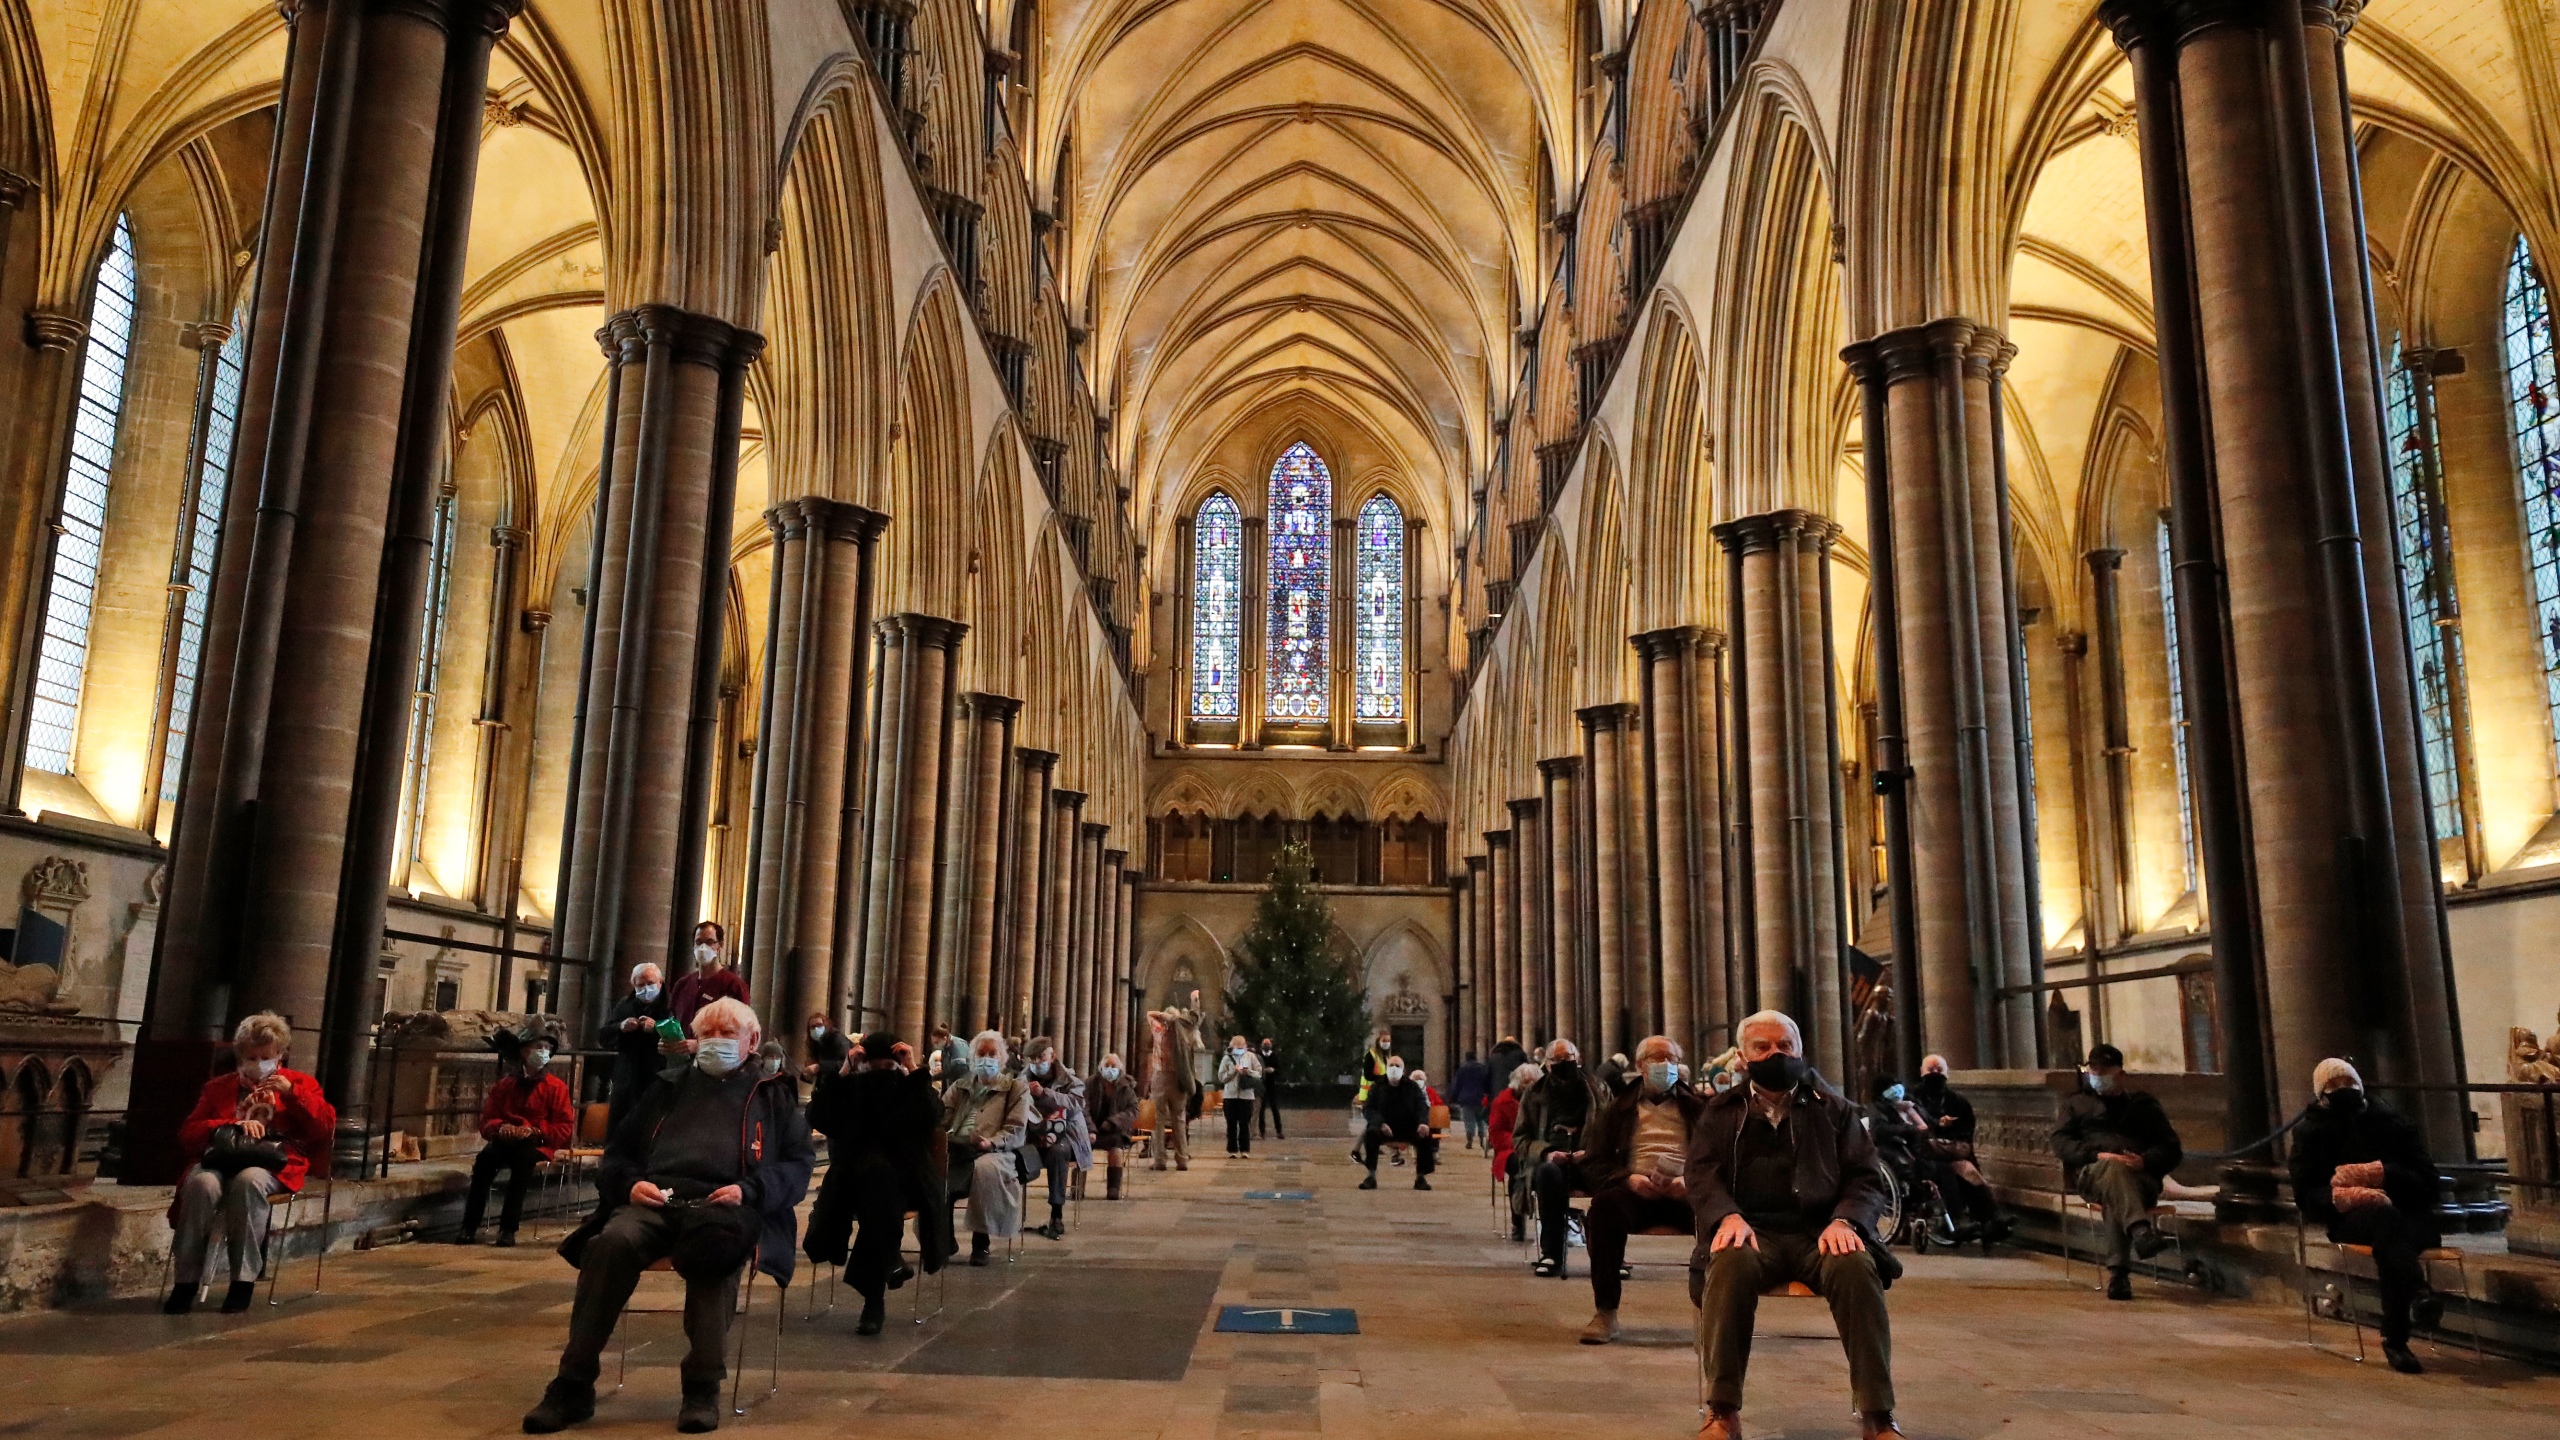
(997,1114)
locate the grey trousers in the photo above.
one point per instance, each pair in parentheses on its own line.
(240,1208)
(2126,1195)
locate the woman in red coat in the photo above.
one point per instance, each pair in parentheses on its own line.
(525,1119)
(259,1104)
(1499,1124)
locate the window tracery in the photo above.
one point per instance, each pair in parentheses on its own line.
(1301,561)
(2426,582)
(1378,682)
(1217,610)
(2532,383)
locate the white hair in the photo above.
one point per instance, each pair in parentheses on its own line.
(646,965)
(1571,1050)
(1677,1055)
(989,1037)
(1771,1019)
(737,1013)
(1526,1075)
(264,1028)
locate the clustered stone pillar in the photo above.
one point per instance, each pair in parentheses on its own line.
(2311,815)
(1085,952)
(990,731)
(1111,1012)
(1057,910)
(1566,992)
(279,889)
(1024,867)
(1462,932)
(1603,730)
(1955,617)
(1124,962)
(1531,855)
(1502,921)
(796,958)
(915,701)
(1681,711)
(1481,982)
(1785,737)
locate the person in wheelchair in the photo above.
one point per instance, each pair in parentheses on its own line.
(1948,1158)
(1632,1155)
(704,1171)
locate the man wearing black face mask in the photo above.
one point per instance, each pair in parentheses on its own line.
(2365,1173)
(1548,1144)
(1949,1153)
(1786,1187)
(2117,1146)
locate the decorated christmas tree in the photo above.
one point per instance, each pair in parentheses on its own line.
(1292,985)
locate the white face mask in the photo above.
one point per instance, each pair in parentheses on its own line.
(1395,1074)
(706,955)
(817,1032)
(534,1060)
(1110,1072)
(261,1069)
(716,1056)
(647,993)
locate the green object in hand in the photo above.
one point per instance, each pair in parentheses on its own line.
(668,1029)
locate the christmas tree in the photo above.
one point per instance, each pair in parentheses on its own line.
(1292,985)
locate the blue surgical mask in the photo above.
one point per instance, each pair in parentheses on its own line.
(534,1060)
(716,1056)
(1110,1072)
(1039,1067)
(987,1066)
(1659,1074)
(1237,1051)
(646,993)
(2103,1084)
(1893,1092)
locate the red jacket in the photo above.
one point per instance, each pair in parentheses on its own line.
(305,1122)
(544,1105)
(1506,1113)
(697,989)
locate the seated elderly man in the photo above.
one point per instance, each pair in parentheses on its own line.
(1398,1110)
(986,1115)
(2117,1147)
(1633,1152)
(703,1172)
(2365,1173)
(1785,1186)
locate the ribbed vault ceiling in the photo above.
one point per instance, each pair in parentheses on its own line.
(1272,200)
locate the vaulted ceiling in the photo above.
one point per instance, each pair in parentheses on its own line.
(1268,202)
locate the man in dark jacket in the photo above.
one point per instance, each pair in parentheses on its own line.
(2365,1173)
(1266,1115)
(1398,1109)
(1545,1140)
(631,1033)
(1633,1152)
(1784,1185)
(1948,1153)
(2117,1146)
(882,1123)
(1508,1057)
(704,1172)
(1470,1091)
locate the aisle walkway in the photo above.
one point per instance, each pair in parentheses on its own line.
(1107,1336)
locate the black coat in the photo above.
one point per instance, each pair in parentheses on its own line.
(2327,1139)
(1398,1105)
(1836,1170)
(1950,1115)
(2128,1120)
(1609,1140)
(775,1157)
(878,1122)
(635,1052)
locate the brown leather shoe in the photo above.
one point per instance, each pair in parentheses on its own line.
(1724,1422)
(1880,1423)
(1603,1328)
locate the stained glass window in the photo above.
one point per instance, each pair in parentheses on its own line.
(2177,703)
(1378,687)
(1301,520)
(62,660)
(2426,580)
(1217,610)
(203,528)
(2531,388)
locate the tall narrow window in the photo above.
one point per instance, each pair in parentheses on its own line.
(201,528)
(2177,702)
(1217,610)
(422,712)
(1301,520)
(1379,685)
(2426,581)
(62,660)
(2532,386)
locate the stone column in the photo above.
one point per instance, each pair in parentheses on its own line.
(1462,962)
(1024,866)
(1682,716)
(1057,918)
(1567,980)
(1483,982)
(1955,615)
(1124,962)
(1786,733)
(1111,1011)
(1502,920)
(822,568)
(2121,915)
(991,732)
(1345,543)
(1256,627)
(2341,863)
(1085,895)
(1602,729)
(906,816)
(1532,856)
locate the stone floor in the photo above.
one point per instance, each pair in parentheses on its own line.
(1108,1335)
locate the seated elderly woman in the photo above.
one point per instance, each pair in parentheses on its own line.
(254,1133)
(703,1173)
(985,1116)
(1111,1106)
(1058,1131)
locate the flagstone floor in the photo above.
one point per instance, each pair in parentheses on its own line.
(1109,1335)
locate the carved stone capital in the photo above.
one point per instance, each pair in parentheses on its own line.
(1037,761)
(1620,715)
(53,330)
(998,708)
